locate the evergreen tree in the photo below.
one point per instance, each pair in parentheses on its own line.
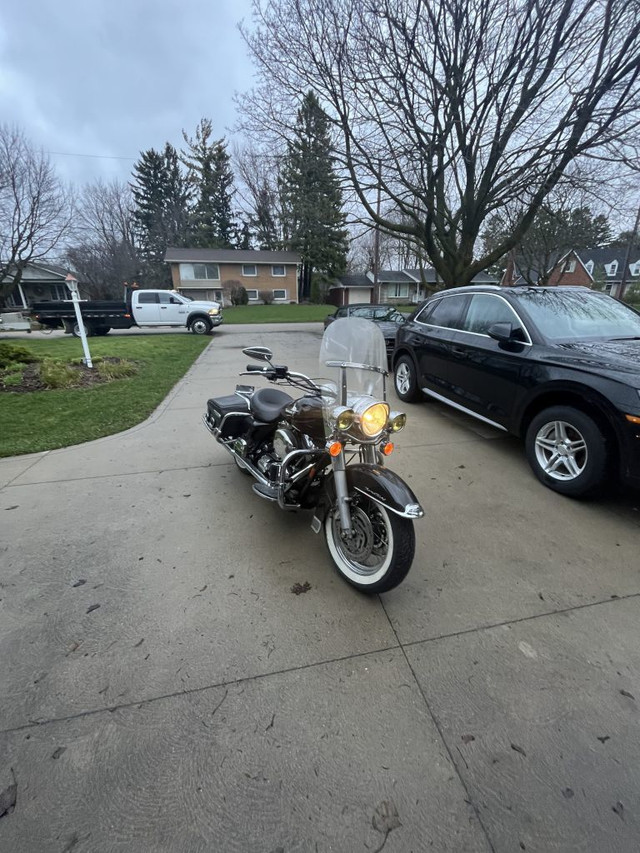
(312,197)
(211,180)
(161,213)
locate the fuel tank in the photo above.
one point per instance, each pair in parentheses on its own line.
(306,415)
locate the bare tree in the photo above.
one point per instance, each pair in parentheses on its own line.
(456,109)
(104,251)
(260,194)
(35,208)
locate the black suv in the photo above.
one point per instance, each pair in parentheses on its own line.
(559,366)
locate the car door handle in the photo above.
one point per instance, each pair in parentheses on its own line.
(163,307)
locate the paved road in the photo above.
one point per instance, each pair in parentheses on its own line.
(162,688)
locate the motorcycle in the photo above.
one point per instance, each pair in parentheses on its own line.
(325,451)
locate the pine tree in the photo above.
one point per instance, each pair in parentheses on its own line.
(162,200)
(312,197)
(211,180)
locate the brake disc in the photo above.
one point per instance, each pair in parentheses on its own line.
(359,545)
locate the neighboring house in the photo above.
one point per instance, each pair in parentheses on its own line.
(209,274)
(600,268)
(350,290)
(39,283)
(605,266)
(565,268)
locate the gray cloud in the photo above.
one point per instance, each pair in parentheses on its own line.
(114,77)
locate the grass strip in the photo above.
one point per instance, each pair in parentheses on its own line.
(45,420)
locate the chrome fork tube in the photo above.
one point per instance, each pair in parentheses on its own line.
(342,492)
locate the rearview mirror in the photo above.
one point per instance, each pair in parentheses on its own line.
(261,353)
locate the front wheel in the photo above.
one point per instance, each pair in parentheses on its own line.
(200,326)
(567,451)
(378,554)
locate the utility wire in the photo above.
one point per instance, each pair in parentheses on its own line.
(98,156)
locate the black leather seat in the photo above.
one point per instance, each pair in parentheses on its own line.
(267,403)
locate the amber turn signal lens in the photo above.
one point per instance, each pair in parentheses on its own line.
(387,448)
(335,449)
(633,419)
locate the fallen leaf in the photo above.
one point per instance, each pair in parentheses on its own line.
(467,738)
(618,809)
(299,588)
(80,582)
(519,749)
(58,752)
(7,508)
(627,694)
(92,607)
(385,817)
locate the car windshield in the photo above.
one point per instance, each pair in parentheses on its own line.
(562,315)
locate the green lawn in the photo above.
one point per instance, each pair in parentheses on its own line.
(44,420)
(276,313)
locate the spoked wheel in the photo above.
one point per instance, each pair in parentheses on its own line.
(378,554)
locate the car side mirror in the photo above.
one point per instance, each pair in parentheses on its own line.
(506,333)
(261,353)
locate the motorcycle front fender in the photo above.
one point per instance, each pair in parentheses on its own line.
(379,485)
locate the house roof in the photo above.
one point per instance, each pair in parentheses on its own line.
(230,256)
(428,275)
(359,280)
(44,272)
(391,277)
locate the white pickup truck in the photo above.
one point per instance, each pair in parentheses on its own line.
(144,308)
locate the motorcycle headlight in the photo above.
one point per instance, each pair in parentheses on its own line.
(343,417)
(373,418)
(397,421)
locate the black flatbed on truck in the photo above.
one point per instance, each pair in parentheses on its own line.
(99,315)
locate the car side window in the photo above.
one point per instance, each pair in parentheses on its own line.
(164,298)
(485,310)
(446,312)
(147,298)
(341,312)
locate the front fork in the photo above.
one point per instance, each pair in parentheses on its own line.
(368,454)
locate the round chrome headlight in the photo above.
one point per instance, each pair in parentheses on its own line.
(343,418)
(372,418)
(397,421)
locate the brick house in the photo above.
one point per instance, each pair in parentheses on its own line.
(566,268)
(211,273)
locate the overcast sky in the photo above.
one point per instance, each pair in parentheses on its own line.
(115,77)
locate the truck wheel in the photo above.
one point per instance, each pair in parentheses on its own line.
(75,330)
(102,330)
(200,326)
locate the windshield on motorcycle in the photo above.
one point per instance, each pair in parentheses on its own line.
(359,345)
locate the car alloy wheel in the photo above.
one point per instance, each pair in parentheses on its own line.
(561,450)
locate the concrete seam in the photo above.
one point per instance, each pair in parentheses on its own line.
(436,723)
(545,615)
(174,695)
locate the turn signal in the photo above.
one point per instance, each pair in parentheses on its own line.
(335,448)
(387,448)
(633,419)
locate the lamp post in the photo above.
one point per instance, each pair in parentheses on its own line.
(72,284)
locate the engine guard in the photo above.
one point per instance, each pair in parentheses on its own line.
(379,485)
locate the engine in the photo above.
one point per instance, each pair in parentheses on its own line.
(284,441)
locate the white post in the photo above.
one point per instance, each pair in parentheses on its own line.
(72,284)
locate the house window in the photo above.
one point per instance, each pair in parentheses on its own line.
(634,269)
(199,272)
(589,267)
(252,294)
(280,293)
(607,288)
(570,266)
(398,291)
(612,268)
(278,269)
(249,269)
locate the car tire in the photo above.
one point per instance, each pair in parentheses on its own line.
(405,380)
(200,326)
(568,452)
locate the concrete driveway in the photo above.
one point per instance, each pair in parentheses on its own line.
(162,688)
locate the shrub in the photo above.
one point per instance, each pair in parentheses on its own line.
(11,354)
(12,379)
(239,295)
(266,296)
(117,369)
(55,374)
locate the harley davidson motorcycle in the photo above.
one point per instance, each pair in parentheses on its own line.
(325,451)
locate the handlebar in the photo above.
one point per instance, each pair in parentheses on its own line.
(256,368)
